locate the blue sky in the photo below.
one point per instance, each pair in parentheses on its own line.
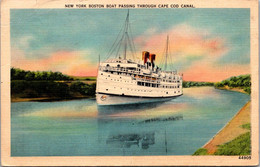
(39,33)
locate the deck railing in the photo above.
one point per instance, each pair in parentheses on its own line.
(124,70)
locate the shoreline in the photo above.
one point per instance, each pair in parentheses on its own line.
(231,130)
(52,99)
(231,89)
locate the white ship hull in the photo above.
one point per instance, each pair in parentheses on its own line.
(126,81)
(105,99)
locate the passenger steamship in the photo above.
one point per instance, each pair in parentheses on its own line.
(125,81)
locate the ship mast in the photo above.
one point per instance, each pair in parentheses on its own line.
(123,42)
(166,55)
(126,33)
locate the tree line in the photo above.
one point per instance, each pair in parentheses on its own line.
(18,74)
(242,81)
(33,84)
(187,84)
(32,89)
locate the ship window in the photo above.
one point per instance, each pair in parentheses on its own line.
(174,91)
(108,75)
(178,86)
(101,73)
(166,92)
(106,89)
(120,77)
(106,78)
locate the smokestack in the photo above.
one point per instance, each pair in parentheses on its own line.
(145,56)
(152,57)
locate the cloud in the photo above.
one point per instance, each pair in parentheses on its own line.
(184,42)
(195,52)
(68,62)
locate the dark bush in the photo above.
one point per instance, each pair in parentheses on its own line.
(242,81)
(18,74)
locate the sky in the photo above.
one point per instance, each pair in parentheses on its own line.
(205,44)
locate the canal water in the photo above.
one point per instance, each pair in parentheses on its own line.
(81,128)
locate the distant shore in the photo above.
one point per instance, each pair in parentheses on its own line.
(48,99)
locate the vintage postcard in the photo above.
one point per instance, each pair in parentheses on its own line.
(129,83)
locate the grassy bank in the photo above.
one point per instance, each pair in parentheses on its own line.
(233,139)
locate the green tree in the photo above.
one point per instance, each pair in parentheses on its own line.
(29,76)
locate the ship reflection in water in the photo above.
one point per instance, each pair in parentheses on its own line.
(136,128)
(127,140)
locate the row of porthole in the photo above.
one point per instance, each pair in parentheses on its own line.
(143,90)
(142,85)
(120,80)
(162,81)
